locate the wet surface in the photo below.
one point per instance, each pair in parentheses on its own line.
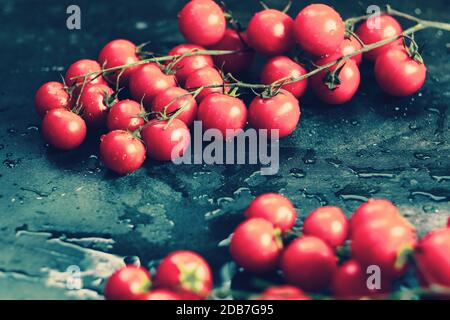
(61,209)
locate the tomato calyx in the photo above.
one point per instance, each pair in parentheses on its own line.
(141,53)
(331,79)
(404,255)
(413,49)
(278,235)
(189,277)
(111,99)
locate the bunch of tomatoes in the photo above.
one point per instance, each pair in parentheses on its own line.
(162,99)
(310,259)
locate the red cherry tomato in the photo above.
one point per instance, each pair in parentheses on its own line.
(175,98)
(284,292)
(256,245)
(222,112)
(350,45)
(398,74)
(376,29)
(308,262)
(281,67)
(95,100)
(186,273)
(329,224)
(349,77)
(127,283)
(233,63)
(80,68)
(121,152)
(159,294)
(270,32)
(149,80)
(187,65)
(63,129)
(118,53)
(319,29)
(202,22)
(51,95)
(373,210)
(448,222)
(274,208)
(166,144)
(205,77)
(124,115)
(280,112)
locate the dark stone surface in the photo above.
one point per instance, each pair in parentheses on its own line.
(61,209)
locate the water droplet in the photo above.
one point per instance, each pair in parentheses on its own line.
(11,130)
(421,156)
(11,163)
(297,173)
(309,157)
(436,195)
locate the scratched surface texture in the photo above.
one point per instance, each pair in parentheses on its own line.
(61,209)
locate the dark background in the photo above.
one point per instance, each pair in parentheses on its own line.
(59,209)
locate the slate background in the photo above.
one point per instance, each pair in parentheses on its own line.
(60,209)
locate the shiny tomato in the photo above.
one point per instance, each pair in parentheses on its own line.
(95,101)
(125,115)
(284,292)
(80,68)
(372,210)
(270,32)
(202,22)
(207,76)
(329,224)
(166,143)
(127,283)
(280,112)
(379,28)
(398,74)
(256,245)
(274,208)
(172,100)
(448,222)
(185,273)
(350,45)
(63,129)
(121,152)
(51,95)
(283,68)
(159,294)
(308,262)
(319,29)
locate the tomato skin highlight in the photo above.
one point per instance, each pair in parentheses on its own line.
(274,208)
(51,95)
(124,115)
(256,246)
(206,76)
(319,29)
(186,273)
(63,129)
(283,292)
(270,32)
(202,22)
(397,74)
(127,283)
(281,112)
(308,262)
(373,210)
(350,45)
(282,67)
(80,68)
(121,152)
(186,101)
(94,105)
(161,141)
(329,224)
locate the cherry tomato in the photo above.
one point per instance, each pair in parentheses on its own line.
(206,76)
(350,45)
(174,98)
(121,152)
(274,208)
(95,100)
(256,245)
(124,115)
(149,80)
(319,29)
(283,68)
(187,65)
(63,129)
(159,294)
(308,262)
(280,112)
(202,22)
(233,63)
(186,273)
(398,74)
(222,112)
(349,77)
(118,53)
(329,224)
(448,222)
(51,95)
(166,144)
(379,28)
(373,210)
(270,32)
(127,283)
(284,292)
(80,68)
